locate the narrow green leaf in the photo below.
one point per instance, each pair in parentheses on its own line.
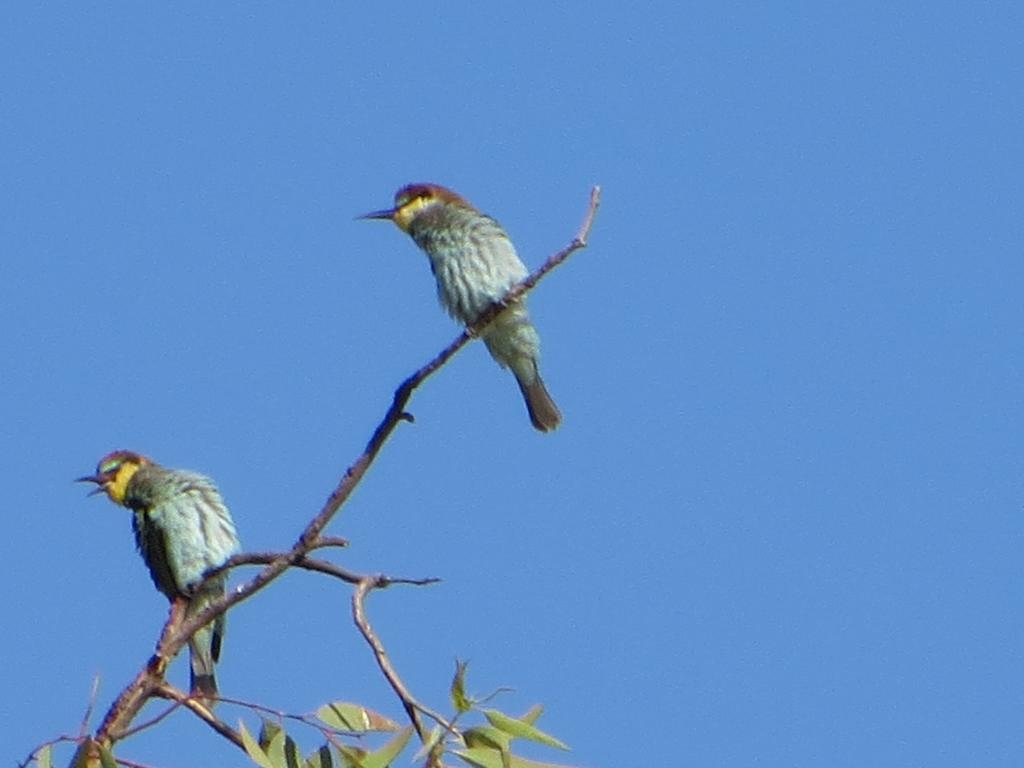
(107,758)
(522,762)
(481,757)
(460,700)
(490,738)
(383,757)
(281,749)
(354,718)
(486,736)
(268,730)
(44,757)
(92,754)
(274,749)
(81,757)
(520,729)
(252,748)
(533,713)
(320,759)
(352,756)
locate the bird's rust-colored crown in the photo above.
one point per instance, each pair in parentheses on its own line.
(428,192)
(113,460)
(411,199)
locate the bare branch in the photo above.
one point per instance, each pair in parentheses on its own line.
(320,566)
(149,681)
(201,711)
(409,703)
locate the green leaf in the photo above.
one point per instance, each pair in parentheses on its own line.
(354,718)
(268,730)
(521,729)
(383,757)
(481,757)
(44,757)
(281,749)
(92,754)
(107,758)
(81,756)
(352,756)
(533,714)
(320,759)
(460,700)
(486,736)
(252,748)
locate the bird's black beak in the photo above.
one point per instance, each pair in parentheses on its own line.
(386,214)
(92,479)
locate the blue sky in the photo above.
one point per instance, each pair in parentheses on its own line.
(782,522)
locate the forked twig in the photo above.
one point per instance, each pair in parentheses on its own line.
(409,703)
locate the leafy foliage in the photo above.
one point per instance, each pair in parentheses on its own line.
(486,744)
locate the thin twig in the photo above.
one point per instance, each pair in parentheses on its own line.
(321,566)
(331,541)
(149,723)
(65,739)
(264,709)
(493,695)
(311,720)
(201,711)
(83,729)
(409,703)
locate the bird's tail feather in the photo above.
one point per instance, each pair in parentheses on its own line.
(204,651)
(544,414)
(204,682)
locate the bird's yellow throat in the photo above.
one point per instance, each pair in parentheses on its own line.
(407,211)
(117,487)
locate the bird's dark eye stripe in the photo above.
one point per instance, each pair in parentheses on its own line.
(109,466)
(412,195)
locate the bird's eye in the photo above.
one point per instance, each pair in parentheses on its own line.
(108,466)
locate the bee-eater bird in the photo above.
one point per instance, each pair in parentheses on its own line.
(182,529)
(475,265)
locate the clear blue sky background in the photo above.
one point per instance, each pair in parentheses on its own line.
(782,523)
